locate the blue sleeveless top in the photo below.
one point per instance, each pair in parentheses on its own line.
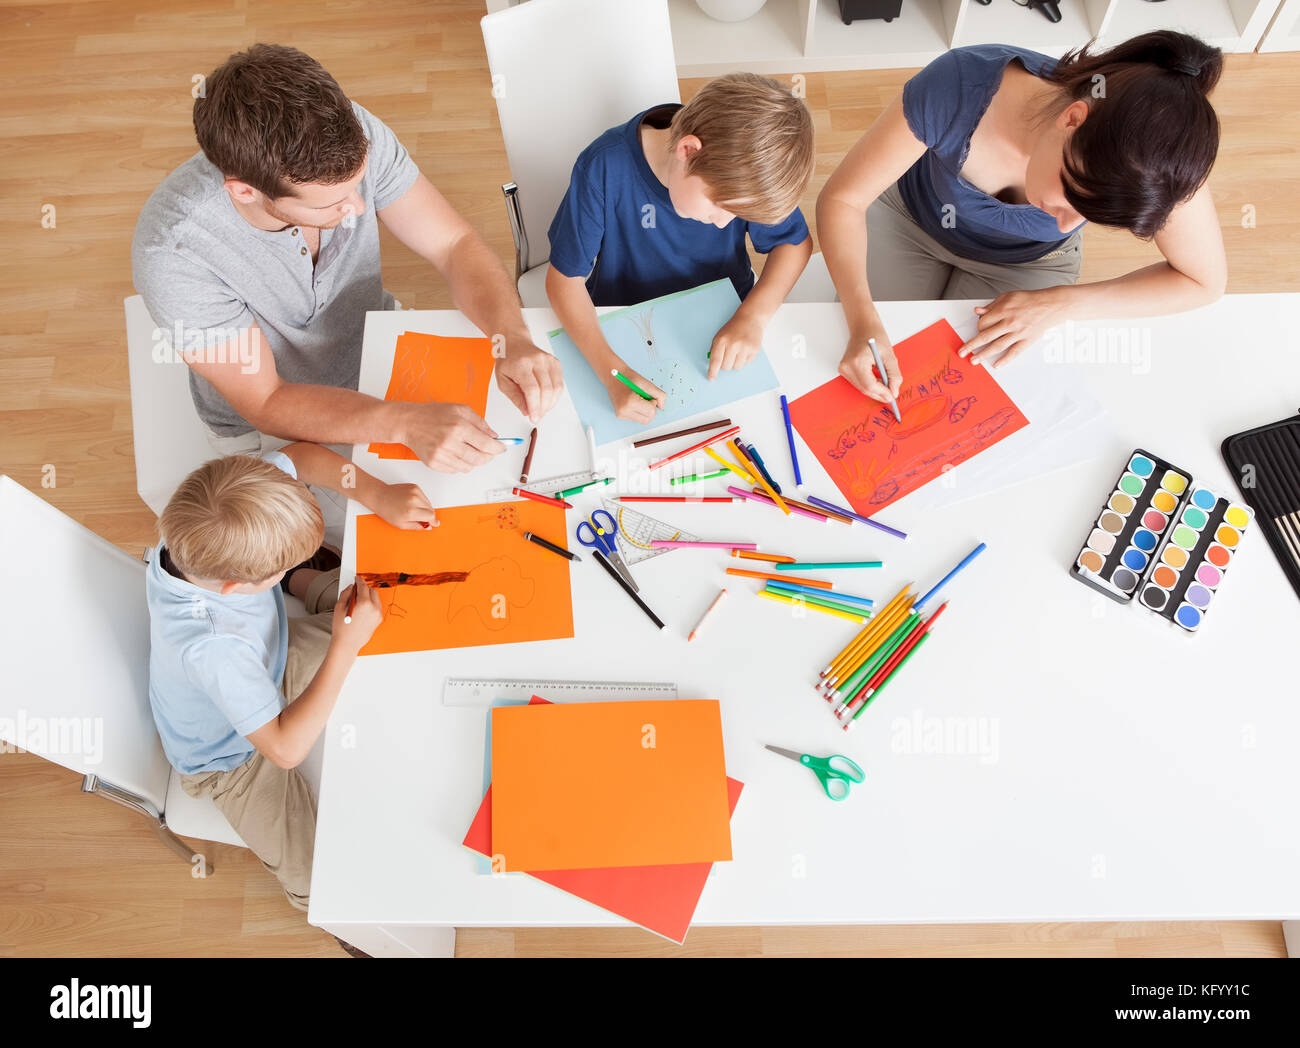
(943,104)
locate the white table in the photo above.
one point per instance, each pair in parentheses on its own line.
(1100,764)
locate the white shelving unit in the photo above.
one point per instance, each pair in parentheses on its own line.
(804,36)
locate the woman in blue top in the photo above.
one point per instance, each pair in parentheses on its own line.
(976,182)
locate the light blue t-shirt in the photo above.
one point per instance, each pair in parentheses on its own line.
(216,664)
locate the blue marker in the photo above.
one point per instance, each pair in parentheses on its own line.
(752,452)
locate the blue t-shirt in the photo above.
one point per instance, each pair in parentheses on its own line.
(943,104)
(216,664)
(616,226)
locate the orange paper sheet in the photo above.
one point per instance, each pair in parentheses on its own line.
(585,784)
(661,899)
(434,367)
(952,409)
(472,580)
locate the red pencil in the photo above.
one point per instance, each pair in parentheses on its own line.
(724,435)
(675,498)
(851,703)
(526,494)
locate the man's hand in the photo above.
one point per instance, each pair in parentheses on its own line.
(737,342)
(628,404)
(450,438)
(405,506)
(1012,321)
(531,378)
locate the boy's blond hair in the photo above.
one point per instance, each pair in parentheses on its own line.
(757,145)
(240,519)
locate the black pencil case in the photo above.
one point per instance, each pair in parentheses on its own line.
(1265,464)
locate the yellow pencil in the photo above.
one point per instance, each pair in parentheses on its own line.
(811,607)
(885,629)
(746,461)
(743,474)
(852,654)
(852,645)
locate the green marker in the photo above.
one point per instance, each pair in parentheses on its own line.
(631,385)
(825,565)
(699,476)
(581,487)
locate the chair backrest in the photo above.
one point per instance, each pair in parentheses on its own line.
(74,629)
(563,71)
(169,439)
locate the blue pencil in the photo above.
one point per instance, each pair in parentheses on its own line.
(789,436)
(794,587)
(752,452)
(944,581)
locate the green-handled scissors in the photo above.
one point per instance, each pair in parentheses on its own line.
(834,772)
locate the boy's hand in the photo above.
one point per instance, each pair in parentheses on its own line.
(531,378)
(405,506)
(859,366)
(367,614)
(450,438)
(628,404)
(737,342)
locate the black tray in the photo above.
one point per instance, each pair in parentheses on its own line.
(1265,464)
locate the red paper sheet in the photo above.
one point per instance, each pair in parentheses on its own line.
(661,899)
(952,409)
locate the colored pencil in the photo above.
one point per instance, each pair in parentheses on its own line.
(864,694)
(852,652)
(758,496)
(775,558)
(745,460)
(829,506)
(630,384)
(722,595)
(743,474)
(789,436)
(885,627)
(820,510)
(815,607)
(816,584)
(752,452)
(851,645)
(903,662)
(524,493)
(854,682)
(702,445)
(828,565)
(945,580)
(528,459)
(702,428)
(849,597)
(551,546)
(679,544)
(581,487)
(675,498)
(698,476)
(612,572)
(824,601)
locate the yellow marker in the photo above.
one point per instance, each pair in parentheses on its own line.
(811,607)
(755,471)
(743,474)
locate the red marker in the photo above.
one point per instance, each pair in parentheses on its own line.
(526,494)
(724,435)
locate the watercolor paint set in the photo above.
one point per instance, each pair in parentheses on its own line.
(1162,539)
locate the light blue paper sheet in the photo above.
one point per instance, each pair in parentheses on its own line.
(667,340)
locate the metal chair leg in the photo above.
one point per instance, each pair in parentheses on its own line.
(516,216)
(94,784)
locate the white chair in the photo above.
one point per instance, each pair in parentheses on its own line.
(563,71)
(169,439)
(75,629)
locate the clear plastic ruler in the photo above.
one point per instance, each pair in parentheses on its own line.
(484,691)
(542,487)
(636,530)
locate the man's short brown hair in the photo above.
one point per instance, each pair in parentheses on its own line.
(756,139)
(273,117)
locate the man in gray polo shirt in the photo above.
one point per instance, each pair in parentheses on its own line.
(259,257)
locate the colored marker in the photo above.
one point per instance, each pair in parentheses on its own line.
(752,452)
(613,574)
(513,441)
(766,577)
(775,558)
(756,496)
(743,474)
(827,565)
(884,377)
(581,487)
(704,427)
(630,384)
(551,546)
(847,597)
(352,603)
(524,493)
(745,460)
(819,510)
(822,599)
(699,476)
(675,498)
(703,444)
(852,617)
(722,594)
(528,459)
(789,436)
(856,516)
(944,581)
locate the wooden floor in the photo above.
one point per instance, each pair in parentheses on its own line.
(94,111)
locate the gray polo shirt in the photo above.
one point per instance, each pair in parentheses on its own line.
(206,275)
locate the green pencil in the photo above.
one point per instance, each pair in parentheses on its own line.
(699,476)
(915,648)
(630,384)
(581,487)
(825,565)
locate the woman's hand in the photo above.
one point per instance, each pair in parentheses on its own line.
(1012,321)
(859,366)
